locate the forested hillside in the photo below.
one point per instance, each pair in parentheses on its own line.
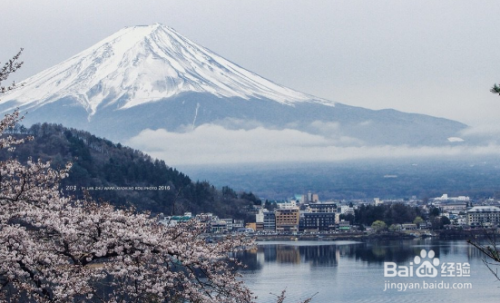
(124,177)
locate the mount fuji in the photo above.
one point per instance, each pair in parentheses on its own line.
(151,77)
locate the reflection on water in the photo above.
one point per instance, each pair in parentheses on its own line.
(318,253)
(353,271)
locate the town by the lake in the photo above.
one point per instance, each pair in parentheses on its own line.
(305,216)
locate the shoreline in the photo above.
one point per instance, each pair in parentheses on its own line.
(445,234)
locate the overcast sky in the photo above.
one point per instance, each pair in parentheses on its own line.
(434,57)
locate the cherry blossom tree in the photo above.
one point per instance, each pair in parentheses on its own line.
(55,248)
(8,68)
(58,249)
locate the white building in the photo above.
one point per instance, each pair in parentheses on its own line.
(461,220)
(446,198)
(485,216)
(287,204)
(259,217)
(346,210)
(174,220)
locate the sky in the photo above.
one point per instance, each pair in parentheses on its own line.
(433,57)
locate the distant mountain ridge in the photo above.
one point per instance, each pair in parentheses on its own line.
(150,77)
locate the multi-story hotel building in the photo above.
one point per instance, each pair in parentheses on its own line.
(483,216)
(287,219)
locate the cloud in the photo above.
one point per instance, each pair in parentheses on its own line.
(485,130)
(327,127)
(233,123)
(482,133)
(455,139)
(333,131)
(366,123)
(213,144)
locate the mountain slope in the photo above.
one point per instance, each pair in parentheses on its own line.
(151,77)
(122,176)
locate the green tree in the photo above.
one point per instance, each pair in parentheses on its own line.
(379,226)
(395,228)
(251,197)
(418,220)
(495,89)
(439,222)
(434,212)
(270,206)
(444,221)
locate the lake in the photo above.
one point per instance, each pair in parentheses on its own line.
(349,271)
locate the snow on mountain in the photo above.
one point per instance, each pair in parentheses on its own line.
(151,77)
(142,64)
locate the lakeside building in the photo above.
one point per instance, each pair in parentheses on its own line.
(409,226)
(265,220)
(322,207)
(317,221)
(259,220)
(237,223)
(287,219)
(320,216)
(269,221)
(483,216)
(217,227)
(251,225)
(259,217)
(206,217)
(259,226)
(344,226)
(174,220)
(229,223)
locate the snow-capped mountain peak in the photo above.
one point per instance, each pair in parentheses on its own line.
(151,77)
(143,64)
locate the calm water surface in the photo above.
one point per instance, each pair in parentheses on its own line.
(346,271)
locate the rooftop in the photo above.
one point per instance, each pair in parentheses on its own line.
(484,209)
